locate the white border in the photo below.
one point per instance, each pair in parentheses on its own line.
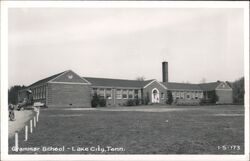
(111,4)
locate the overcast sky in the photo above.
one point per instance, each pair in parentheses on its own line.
(126,43)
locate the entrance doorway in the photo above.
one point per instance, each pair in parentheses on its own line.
(155,96)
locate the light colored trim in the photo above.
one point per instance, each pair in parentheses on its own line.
(225,85)
(149,83)
(133,93)
(68,83)
(126,92)
(156,82)
(152,95)
(58,76)
(51,81)
(116,94)
(81,77)
(111,97)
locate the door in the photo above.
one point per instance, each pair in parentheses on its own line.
(155,96)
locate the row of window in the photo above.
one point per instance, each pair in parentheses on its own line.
(39,92)
(189,95)
(119,94)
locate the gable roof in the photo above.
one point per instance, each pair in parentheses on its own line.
(108,82)
(181,86)
(45,80)
(209,86)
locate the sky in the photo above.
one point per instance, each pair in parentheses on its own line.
(126,43)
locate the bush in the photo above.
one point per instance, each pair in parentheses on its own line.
(137,102)
(130,102)
(238,91)
(169,98)
(97,101)
(146,99)
(102,102)
(133,102)
(214,97)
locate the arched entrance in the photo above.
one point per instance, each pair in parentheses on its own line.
(155,96)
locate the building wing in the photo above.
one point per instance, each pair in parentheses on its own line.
(181,86)
(108,82)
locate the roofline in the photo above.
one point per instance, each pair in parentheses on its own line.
(187,90)
(58,76)
(223,89)
(69,83)
(153,82)
(51,81)
(81,77)
(117,87)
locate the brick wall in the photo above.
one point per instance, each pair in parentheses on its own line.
(224,96)
(68,95)
(149,89)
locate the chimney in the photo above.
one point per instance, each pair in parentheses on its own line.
(164,71)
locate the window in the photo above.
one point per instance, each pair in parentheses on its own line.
(188,96)
(124,94)
(101,93)
(177,95)
(136,93)
(94,91)
(174,94)
(193,95)
(108,93)
(119,94)
(130,94)
(162,95)
(44,93)
(39,92)
(201,95)
(182,95)
(196,95)
(34,93)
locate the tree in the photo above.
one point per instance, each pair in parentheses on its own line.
(146,99)
(13,94)
(169,97)
(98,101)
(213,96)
(140,78)
(238,90)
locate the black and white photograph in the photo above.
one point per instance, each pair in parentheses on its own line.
(126,81)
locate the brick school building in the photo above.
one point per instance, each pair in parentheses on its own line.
(68,89)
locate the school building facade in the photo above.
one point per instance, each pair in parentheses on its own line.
(68,89)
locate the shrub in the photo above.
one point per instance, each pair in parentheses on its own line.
(146,99)
(214,97)
(97,101)
(169,97)
(102,102)
(130,102)
(133,102)
(238,91)
(137,102)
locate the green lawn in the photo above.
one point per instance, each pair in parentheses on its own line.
(186,130)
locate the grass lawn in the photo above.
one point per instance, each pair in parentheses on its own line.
(181,130)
